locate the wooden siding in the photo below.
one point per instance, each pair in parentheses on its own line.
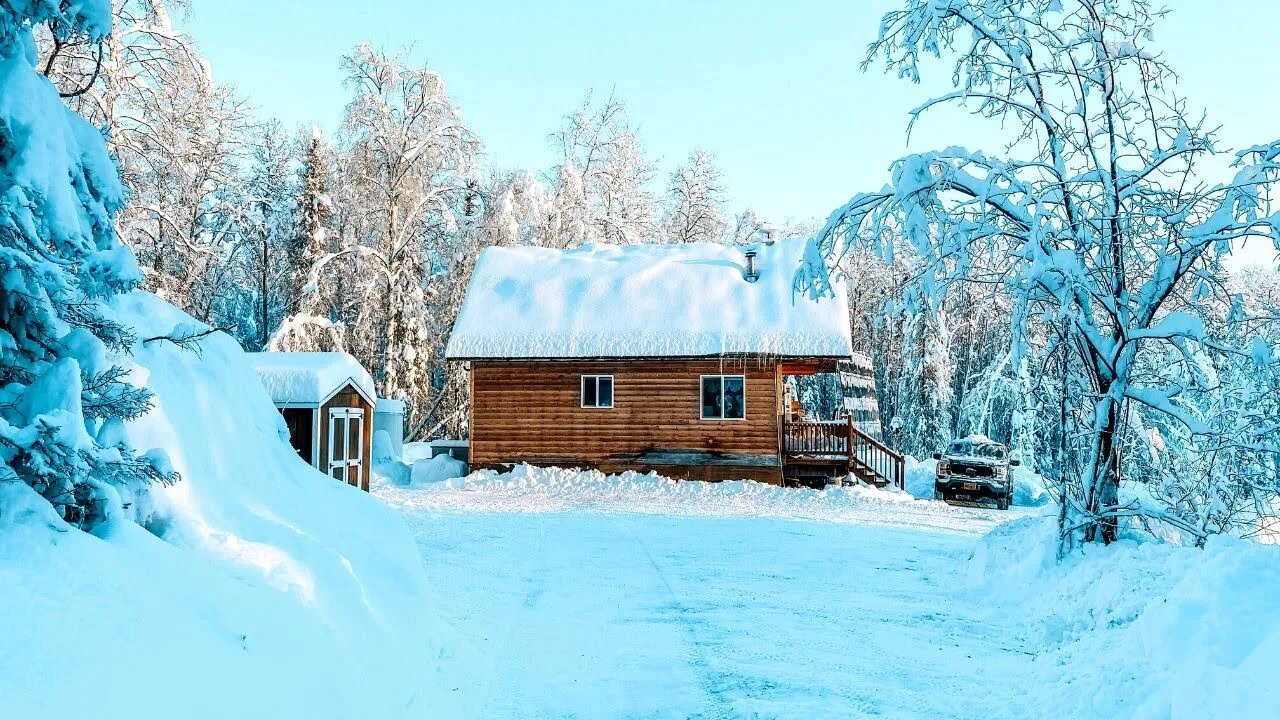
(529,411)
(348,398)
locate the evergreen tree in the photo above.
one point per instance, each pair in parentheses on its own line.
(314,322)
(925,389)
(269,257)
(64,400)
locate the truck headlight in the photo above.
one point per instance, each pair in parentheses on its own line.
(943,468)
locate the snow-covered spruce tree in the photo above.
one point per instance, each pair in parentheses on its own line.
(1100,214)
(695,197)
(409,163)
(266,265)
(63,401)
(313,323)
(924,390)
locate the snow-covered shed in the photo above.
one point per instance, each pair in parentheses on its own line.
(647,357)
(327,400)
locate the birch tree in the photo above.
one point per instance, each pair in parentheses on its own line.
(695,199)
(180,139)
(604,176)
(408,163)
(1099,212)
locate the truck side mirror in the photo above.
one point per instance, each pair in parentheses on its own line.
(1015,463)
(937,456)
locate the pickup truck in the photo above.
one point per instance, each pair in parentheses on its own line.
(974,470)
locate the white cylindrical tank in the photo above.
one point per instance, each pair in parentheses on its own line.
(388,417)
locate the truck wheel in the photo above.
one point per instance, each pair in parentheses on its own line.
(1003,503)
(937,495)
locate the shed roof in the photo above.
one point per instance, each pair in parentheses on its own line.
(611,301)
(310,377)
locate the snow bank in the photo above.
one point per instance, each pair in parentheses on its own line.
(1140,630)
(309,377)
(536,489)
(437,469)
(266,590)
(1028,486)
(645,300)
(424,471)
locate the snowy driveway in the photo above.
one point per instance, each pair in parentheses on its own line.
(571,605)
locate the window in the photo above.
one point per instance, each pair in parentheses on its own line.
(597,391)
(723,397)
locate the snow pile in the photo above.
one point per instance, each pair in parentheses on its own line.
(1140,629)
(1028,486)
(527,488)
(427,471)
(645,300)
(437,469)
(264,589)
(309,377)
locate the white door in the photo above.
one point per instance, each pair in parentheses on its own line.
(346,445)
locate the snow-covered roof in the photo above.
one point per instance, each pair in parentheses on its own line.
(646,301)
(310,377)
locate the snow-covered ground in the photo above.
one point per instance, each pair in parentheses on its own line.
(576,595)
(256,587)
(638,596)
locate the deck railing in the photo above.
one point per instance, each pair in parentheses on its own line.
(844,438)
(816,437)
(887,463)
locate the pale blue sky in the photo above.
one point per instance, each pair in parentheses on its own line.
(773,89)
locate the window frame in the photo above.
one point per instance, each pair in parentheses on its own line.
(722,376)
(582,391)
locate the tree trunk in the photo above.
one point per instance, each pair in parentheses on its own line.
(1104,489)
(263,328)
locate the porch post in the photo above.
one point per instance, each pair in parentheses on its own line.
(849,444)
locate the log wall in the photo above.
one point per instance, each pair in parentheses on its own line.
(529,411)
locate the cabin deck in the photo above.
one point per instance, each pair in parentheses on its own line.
(815,450)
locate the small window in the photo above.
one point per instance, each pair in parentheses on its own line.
(597,391)
(723,397)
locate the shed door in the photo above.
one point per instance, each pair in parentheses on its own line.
(298,421)
(346,445)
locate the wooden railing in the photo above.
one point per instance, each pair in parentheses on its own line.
(843,437)
(816,437)
(884,461)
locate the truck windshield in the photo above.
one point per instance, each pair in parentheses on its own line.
(975,449)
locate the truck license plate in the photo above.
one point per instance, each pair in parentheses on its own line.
(971,486)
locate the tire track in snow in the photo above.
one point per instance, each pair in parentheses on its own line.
(720,709)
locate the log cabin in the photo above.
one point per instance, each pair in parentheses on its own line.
(327,401)
(664,358)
